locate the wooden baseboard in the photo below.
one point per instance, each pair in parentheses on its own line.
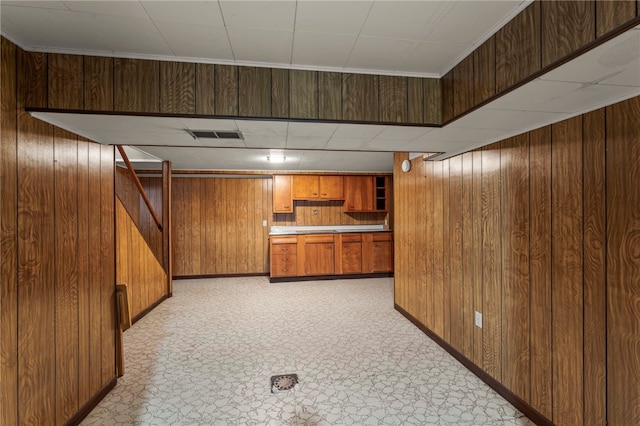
(534,415)
(148,309)
(329,277)
(195,277)
(86,408)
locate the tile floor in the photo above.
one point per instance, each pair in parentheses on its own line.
(205,357)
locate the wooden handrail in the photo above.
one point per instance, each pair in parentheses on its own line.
(140,187)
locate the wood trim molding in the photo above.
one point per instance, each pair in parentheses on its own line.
(516,401)
(93,402)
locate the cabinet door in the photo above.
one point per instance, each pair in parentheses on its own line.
(382,256)
(331,187)
(282,200)
(306,187)
(351,258)
(319,259)
(358,193)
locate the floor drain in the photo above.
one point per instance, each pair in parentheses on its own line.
(283,382)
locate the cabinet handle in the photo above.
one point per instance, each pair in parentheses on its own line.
(314,193)
(284,249)
(286,207)
(324,193)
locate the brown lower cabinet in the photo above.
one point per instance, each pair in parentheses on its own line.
(331,254)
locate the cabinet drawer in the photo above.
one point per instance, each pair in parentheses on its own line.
(283,240)
(351,238)
(383,236)
(287,269)
(318,238)
(278,249)
(283,259)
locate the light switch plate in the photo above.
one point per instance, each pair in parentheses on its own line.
(478,319)
(264,223)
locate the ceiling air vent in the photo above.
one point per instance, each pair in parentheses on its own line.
(215,134)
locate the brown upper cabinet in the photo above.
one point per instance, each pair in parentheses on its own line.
(311,187)
(282,195)
(366,193)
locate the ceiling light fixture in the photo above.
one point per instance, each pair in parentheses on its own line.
(276,157)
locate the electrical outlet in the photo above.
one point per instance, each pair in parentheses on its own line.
(264,223)
(478,319)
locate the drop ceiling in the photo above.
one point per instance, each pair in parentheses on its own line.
(602,76)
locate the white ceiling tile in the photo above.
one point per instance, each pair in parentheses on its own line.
(340,17)
(587,98)
(142,138)
(384,145)
(52,4)
(408,20)
(311,129)
(197,13)
(131,9)
(614,56)
(208,124)
(222,143)
(322,49)
(374,53)
(358,131)
(263,128)
(432,58)
(260,45)
(341,144)
(196,41)
(260,141)
(469,21)
(402,132)
(306,142)
(278,15)
(534,94)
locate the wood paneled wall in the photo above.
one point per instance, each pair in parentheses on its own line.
(144,86)
(57,275)
(217,224)
(543,34)
(539,233)
(136,265)
(130,198)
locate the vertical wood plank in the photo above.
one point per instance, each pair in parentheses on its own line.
(84,354)
(136,85)
(484,71)
(177,87)
(566,26)
(515,264)
(393,99)
(66,274)
(594,255)
(65,79)
(205,89)
(429,243)
(95,273)
(518,48)
(477,256)
(279,93)
(36,268)
(491,262)
(446,249)
(330,96)
(360,97)
(463,89)
(623,263)
(456,261)
(226,90)
(447,84)
(613,14)
(303,94)
(540,269)
(438,250)
(254,92)
(108,265)
(468,280)
(415,100)
(8,235)
(98,83)
(33,66)
(433,98)
(567,269)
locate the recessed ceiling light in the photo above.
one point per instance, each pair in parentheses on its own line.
(276,157)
